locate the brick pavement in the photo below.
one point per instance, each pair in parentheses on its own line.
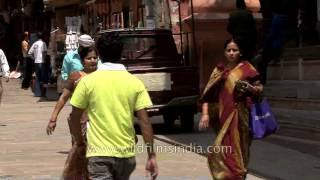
(26,152)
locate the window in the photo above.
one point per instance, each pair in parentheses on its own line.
(149,48)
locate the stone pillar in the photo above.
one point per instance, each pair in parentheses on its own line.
(318,17)
(157,14)
(150,14)
(3,6)
(211,18)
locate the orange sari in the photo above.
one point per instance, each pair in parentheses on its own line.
(76,163)
(230,121)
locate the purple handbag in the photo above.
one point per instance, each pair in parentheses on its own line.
(262,121)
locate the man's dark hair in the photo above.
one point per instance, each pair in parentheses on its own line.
(110,47)
(240,4)
(39,35)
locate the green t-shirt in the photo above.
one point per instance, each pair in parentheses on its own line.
(110,98)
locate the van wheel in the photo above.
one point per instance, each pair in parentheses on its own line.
(187,121)
(169,120)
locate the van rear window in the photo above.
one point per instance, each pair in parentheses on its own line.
(149,48)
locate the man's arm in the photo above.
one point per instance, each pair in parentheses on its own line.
(25,46)
(75,126)
(146,129)
(4,65)
(147,133)
(31,49)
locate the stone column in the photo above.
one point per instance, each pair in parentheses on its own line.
(211,18)
(3,5)
(318,17)
(157,14)
(150,14)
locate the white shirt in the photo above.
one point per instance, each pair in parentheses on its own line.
(38,50)
(4,66)
(111,67)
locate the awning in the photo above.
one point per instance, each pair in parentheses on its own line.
(61,3)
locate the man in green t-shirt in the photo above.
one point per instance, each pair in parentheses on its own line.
(111,96)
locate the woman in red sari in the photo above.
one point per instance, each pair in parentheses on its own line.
(226,107)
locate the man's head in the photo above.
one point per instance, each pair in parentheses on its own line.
(39,35)
(26,35)
(85,41)
(110,47)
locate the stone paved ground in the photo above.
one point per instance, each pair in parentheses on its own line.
(26,152)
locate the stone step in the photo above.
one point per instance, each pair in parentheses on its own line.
(307,52)
(295,104)
(301,63)
(300,112)
(299,118)
(303,132)
(295,69)
(293,89)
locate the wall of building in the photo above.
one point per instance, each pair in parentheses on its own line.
(61,12)
(210,21)
(61,3)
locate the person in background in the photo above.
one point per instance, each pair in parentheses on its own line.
(4,71)
(38,50)
(111,96)
(226,107)
(242,26)
(27,62)
(284,23)
(71,61)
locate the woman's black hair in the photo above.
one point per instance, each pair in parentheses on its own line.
(84,51)
(240,4)
(227,42)
(237,41)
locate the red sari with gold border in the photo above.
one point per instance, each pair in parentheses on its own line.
(230,121)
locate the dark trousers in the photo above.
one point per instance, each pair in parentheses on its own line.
(276,35)
(27,72)
(110,168)
(41,78)
(273,44)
